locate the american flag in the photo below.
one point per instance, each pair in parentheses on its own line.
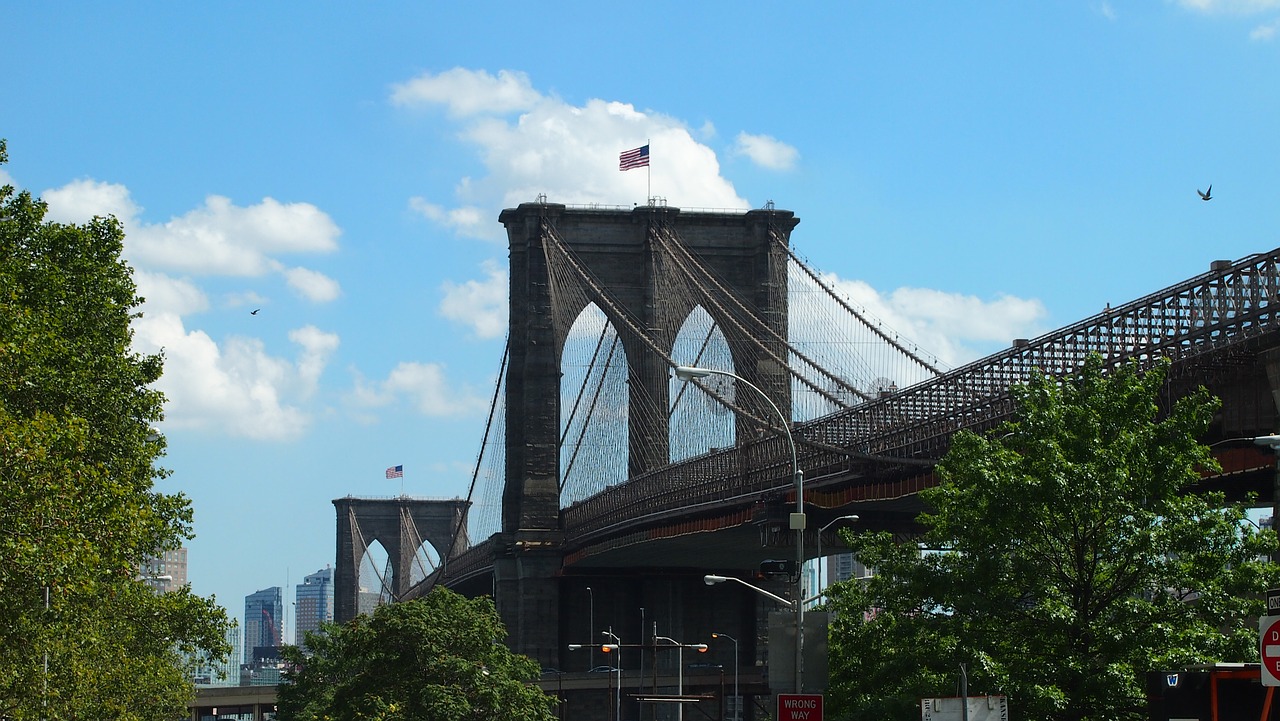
(395,472)
(638,158)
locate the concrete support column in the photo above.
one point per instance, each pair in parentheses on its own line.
(527,594)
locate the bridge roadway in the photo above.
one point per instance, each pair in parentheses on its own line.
(727,509)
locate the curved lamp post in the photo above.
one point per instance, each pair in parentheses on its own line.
(616,645)
(617,664)
(797,520)
(711,579)
(591,623)
(737,702)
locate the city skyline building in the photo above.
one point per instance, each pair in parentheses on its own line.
(843,566)
(820,573)
(313,603)
(263,614)
(165,571)
(208,672)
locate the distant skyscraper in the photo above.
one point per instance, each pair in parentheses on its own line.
(843,566)
(263,614)
(314,604)
(207,672)
(166,571)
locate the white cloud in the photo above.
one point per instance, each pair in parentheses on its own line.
(317,346)
(224,239)
(81,200)
(1265,32)
(219,238)
(1230,7)
(233,387)
(468,92)
(955,328)
(236,389)
(422,385)
(481,304)
(569,153)
(313,285)
(243,298)
(469,221)
(164,294)
(766,151)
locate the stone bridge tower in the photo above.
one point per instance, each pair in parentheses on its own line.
(616,248)
(401,525)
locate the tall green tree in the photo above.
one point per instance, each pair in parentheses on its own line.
(81,636)
(1070,553)
(438,658)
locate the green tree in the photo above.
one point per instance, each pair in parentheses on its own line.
(78,508)
(1071,553)
(440,657)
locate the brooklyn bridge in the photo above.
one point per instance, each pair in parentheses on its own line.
(607,488)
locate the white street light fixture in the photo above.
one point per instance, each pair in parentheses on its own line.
(737,702)
(797,519)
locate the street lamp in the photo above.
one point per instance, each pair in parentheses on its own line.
(616,645)
(737,699)
(608,647)
(591,624)
(712,579)
(680,647)
(822,566)
(797,519)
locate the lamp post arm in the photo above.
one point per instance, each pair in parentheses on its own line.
(712,579)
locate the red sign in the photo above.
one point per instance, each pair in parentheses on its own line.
(1269,644)
(799,707)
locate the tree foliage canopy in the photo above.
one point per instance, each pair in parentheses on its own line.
(78,510)
(438,657)
(1067,553)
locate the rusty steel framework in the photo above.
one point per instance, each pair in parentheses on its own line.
(1230,305)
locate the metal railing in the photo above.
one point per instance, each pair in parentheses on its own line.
(1231,304)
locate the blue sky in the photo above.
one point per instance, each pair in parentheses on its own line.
(970,173)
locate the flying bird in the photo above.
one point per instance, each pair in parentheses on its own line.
(1207,194)
(254,311)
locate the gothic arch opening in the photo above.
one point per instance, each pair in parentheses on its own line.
(426,559)
(594,407)
(698,421)
(377,578)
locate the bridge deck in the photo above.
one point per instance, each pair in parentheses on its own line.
(1211,326)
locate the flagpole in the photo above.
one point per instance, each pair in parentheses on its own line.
(648,174)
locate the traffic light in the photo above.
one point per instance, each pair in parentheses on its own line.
(775,567)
